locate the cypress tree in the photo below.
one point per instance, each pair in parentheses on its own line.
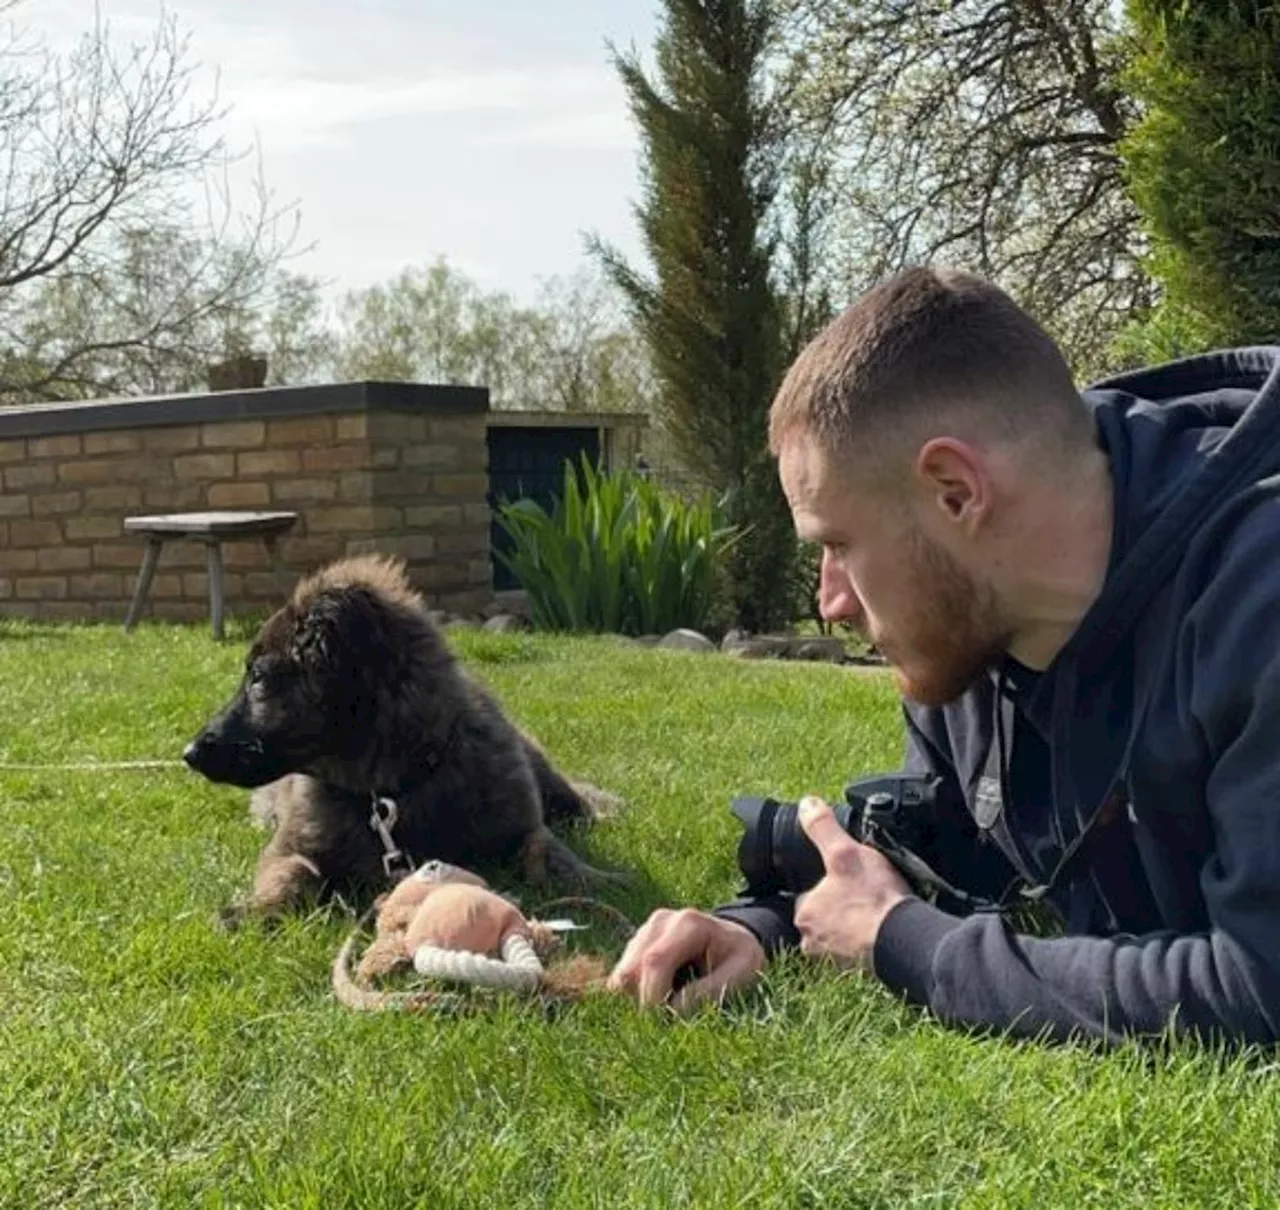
(711,316)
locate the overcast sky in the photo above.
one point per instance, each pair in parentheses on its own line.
(492,132)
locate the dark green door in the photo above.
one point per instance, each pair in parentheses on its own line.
(528,463)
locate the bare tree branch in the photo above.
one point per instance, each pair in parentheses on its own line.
(985,130)
(109,278)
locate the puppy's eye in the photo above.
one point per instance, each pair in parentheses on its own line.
(273,675)
(261,675)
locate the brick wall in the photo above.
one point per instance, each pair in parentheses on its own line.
(390,467)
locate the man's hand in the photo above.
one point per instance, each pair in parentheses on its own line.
(726,954)
(841,915)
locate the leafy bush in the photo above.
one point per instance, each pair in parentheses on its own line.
(1202,169)
(617,553)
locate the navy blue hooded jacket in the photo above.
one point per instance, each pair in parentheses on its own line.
(1158,722)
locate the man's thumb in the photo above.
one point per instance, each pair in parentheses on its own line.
(823,828)
(811,806)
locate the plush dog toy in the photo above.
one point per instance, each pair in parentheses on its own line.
(448,924)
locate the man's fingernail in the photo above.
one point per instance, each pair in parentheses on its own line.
(810,806)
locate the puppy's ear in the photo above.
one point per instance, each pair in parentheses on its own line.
(347,629)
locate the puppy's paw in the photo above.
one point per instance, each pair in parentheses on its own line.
(593,877)
(232,917)
(603,804)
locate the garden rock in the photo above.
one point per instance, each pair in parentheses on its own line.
(828,648)
(686,640)
(510,601)
(872,660)
(505,623)
(761,647)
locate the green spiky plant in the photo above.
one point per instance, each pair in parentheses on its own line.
(617,553)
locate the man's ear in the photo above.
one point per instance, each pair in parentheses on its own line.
(955,476)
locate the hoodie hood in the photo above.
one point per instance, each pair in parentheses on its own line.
(1182,439)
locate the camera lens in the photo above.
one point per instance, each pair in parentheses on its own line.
(774,853)
(755,850)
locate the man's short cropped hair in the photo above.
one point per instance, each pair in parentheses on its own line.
(919,352)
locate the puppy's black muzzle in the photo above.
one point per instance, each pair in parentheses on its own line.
(230,752)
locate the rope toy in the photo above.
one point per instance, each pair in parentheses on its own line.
(450,926)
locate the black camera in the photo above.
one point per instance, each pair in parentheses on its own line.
(893,812)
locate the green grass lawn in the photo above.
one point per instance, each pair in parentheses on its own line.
(149,1059)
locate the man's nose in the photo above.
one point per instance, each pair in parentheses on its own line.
(838,601)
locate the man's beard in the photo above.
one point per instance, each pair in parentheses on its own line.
(954,633)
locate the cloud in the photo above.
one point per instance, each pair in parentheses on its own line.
(566,103)
(491,133)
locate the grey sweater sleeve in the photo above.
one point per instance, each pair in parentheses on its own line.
(978,972)
(1219,983)
(770,918)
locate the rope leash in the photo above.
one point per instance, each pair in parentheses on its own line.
(89,766)
(621,919)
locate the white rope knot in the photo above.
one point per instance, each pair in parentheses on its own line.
(518,970)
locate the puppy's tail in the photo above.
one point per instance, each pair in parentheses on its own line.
(564,801)
(565,865)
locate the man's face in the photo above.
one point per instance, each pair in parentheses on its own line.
(886,577)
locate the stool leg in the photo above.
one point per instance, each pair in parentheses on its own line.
(213,557)
(150,557)
(277,564)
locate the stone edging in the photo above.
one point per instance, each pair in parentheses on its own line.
(827,649)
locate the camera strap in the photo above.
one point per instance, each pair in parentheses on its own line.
(919,872)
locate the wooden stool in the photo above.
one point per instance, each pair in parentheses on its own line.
(212,529)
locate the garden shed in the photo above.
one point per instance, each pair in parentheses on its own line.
(388,466)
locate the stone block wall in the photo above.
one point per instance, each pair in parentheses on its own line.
(393,467)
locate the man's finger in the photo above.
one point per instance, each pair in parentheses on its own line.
(714,985)
(838,849)
(623,973)
(626,971)
(657,974)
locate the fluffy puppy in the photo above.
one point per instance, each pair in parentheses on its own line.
(351,694)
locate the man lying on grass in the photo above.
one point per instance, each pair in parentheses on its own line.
(1080,596)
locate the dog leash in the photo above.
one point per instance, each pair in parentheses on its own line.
(396,863)
(89,766)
